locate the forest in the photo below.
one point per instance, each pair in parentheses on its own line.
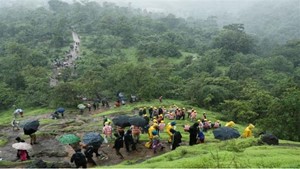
(247,78)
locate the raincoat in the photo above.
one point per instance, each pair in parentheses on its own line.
(230,124)
(248,131)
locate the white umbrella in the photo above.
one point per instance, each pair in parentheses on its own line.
(22,146)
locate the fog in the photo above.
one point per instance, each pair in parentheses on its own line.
(181,8)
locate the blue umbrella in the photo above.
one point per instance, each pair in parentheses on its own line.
(60,110)
(226,133)
(92,138)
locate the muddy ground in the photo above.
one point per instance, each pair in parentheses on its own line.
(50,150)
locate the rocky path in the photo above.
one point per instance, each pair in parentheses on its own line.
(49,149)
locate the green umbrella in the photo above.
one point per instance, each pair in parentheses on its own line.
(81,106)
(68,139)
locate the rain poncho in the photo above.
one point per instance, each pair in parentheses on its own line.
(248,131)
(230,124)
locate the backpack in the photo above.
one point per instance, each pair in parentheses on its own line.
(79,158)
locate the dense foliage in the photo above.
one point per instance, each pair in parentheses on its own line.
(149,54)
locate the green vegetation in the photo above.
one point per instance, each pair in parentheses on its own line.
(148,54)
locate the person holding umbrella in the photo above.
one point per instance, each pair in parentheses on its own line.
(19,140)
(30,128)
(79,159)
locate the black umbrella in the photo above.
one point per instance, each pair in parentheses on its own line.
(31,127)
(225,133)
(121,120)
(138,121)
(92,138)
(270,139)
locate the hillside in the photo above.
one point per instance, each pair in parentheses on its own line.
(213,153)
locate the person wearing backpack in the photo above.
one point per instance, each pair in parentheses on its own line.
(79,159)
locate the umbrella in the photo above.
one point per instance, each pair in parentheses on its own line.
(18,110)
(68,139)
(225,133)
(92,138)
(138,121)
(31,127)
(22,146)
(81,106)
(121,120)
(60,110)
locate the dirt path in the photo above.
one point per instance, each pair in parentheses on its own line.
(49,149)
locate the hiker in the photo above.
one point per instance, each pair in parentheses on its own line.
(18,112)
(89,150)
(135,135)
(201,137)
(128,140)
(156,144)
(176,140)
(150,111)
(19,140)
(168,130)
(55,115)
(15,124)
(230,124)
(107,131)
(152,128)
(160,99)
(193,115)
(79,159)
(193,130)
(89,106)
(248,131)
(33,138)
(161,126)
(23,155)
(118,144)
(217,124)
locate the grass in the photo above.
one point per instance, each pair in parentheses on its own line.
(237,153)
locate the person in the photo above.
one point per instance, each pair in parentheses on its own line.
(217,124)
(19,140)
(201,137)
(18,112)
(160,99)
(230,124)
(193,115)
(168,130)
(193,130)
(23,154)
(176,139)
(55,115)
(161,126)
(156,144)
(89,150)
(33,138)
(107,131)
(118,144)
(89,106)
(248,131)
(150,111)
(79,159)
(15,124)
(135,136)
(128,140)
(151,129)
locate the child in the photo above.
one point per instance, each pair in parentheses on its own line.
(79,159)
(107,131)
(156,142)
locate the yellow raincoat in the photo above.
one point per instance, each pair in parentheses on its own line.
(248,131)
(230,124)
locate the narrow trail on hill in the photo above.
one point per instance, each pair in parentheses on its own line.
(68,62)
